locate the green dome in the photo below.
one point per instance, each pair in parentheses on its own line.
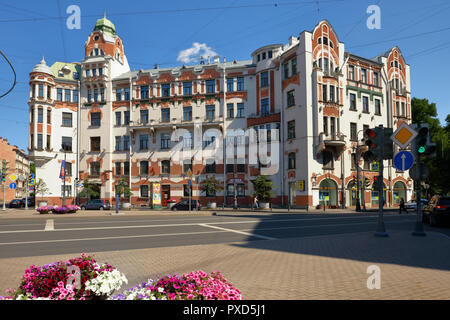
(105,26)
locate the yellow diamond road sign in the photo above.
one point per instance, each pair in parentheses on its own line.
(12,177)
(403,135)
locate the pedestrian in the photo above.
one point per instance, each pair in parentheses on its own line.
(255,202)
(402,206)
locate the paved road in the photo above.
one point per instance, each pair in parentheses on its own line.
(52,235)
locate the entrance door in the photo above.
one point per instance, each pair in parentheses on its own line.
(292,193)
(165,190)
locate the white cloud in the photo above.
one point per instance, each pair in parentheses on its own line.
(195,52)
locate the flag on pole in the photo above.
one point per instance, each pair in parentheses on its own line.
(62,174)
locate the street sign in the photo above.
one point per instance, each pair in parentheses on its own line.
(32,182)
(31,188)
(22,177)
(375,166)
(404,135)
(32,175)
(301,185)
(13,185)
(189,173)
(403,160)
(190,183)
(12,177)
(424,172)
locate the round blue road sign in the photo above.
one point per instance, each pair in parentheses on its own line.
(13,185)
(403,160)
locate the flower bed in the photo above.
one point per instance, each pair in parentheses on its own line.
(54,282)
(44,209)
(58,210)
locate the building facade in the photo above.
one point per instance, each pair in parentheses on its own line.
(17,163)
(314,98)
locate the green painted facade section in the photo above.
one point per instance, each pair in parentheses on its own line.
(362,90)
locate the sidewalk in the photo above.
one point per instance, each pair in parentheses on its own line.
(322,267)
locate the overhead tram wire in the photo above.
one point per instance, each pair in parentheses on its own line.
(15,76)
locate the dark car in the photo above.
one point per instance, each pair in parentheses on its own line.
(184,205)
(29,200)
(437,211)
(15,203)
(96,204)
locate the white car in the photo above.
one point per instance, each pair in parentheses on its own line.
(412,204)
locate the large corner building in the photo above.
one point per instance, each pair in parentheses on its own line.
(116,123)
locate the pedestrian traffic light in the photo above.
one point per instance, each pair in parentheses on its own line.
(372,141)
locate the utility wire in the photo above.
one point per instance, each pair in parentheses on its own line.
(15,76)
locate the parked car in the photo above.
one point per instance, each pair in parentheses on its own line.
(29,200)
(184,205)
(15,203)
(437,210)
(96,204)
(412,204)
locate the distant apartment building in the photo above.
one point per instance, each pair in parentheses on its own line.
(17,164)
(118,123)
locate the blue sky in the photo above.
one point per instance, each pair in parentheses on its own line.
(156,32)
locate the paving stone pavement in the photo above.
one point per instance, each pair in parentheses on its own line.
(320,267)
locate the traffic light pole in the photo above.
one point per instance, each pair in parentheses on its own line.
(381,230)
(418,226)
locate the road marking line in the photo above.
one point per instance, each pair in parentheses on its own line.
(49,225)
(188,224)
(237,231)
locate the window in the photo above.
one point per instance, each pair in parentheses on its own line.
(95,168)
(126,142)
(240,190)
(240,84)
(264,107)
(59,93)
(33,90)
(144,116)
(325,125)
(187,165)
(94,72)
(327,159)
(208,140)
(165,167)
(286,70)
(353,132)
(366,104)
(49,92)
(41,90)
(143,142)
(269,54)
(118,118)
(351,72)
(49,116)
(230,110)
(127,94)
(291,129)
(48,142)
(144,191)
(210,167)
(102,94)
(95,95)
(144,92)
(210,86)
(240,167)
(67,189)
(89,96)
(118,168)
(324,92)
(88,73)
(403,109)
(165,90)
(210,112)
(67,95)
(95,144)
(294,66)
(230,190)
(187,88)
(230,167)
(143,167)
(352,101)
(118,94)
(126,117)
(332,99)
(353,161)
(126,168)
(165,141)
(291,160)
(75,95)
(230,84)
(187,140)
(165,115)
(95,119)
(264,79)
(263,55)
(259,58)
(364,75)
(100,71)
(39,142)
(187,113)
(375,79)
(66,143)
(365,127)
(118,143)
(40,115)
(290,98)
(377,107)
(240,110)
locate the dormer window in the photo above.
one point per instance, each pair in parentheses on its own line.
(96,52)
(76,75)
(96,38)
(60,73)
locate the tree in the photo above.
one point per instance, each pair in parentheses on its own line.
(41,188)
(210,186)
(90,189)
(123,187)
(263,188)
(425,112)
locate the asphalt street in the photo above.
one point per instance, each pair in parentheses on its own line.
(53,235)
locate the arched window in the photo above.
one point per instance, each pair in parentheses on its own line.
(399,192)
(328,193)
(291,160)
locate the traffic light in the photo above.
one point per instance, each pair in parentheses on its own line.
(376,185)
(388,145)
(366,182)
(372,141)
(2,177)
(423,144)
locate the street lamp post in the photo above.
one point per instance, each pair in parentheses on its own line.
(64,176)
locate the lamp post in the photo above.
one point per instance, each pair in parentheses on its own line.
(63,149)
